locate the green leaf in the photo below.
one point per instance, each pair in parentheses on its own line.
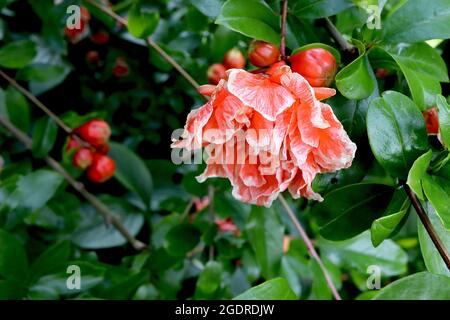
(417,172)
(265,234)
(418,286)
(210,8)
(397,133)
(437,190)
(320,288)
(16,55)
(13,258)
(275,289)
(383,227)
(132,172)
(431,256)
(208,281)
(417,21)
(18,110)
(44,137)
(92,233)
(355,81)
(51,259)
(35,189)
(181,239)
(359,253)
(141,23)
(252,18)
(340,216)
(444,119)
(314,9)
(423,69)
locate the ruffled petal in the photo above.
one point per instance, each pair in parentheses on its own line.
(260,93)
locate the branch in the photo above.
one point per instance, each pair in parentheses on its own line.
(428,225)
(78,186)
(30,96)
(46,110)
(150,43)
(312,251)
(337,36)
(284,10)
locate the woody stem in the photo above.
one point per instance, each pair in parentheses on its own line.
(309,245)
(428,225)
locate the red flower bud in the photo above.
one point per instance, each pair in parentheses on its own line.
(234,59)
(92,56)
(381,73)
(263,54)
(101,169)
(318,66)
(216,72)
(431,120)
(72,144)
(121,68)
(95,132)
(82,158)
(100,37)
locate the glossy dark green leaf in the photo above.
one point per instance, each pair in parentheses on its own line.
(320,288)
(444,119)
(92,233)
(340,216)
(417,21)
(36,189)
(181,239)
(132,172)
(13,258)
(423,69)
(419,286)
(431,256)
(359,253)
(44,137)
(397,133)
(252,18)
(209,280)
(51,259)
(265,233)
(417,172)
(437,190)
(210,8)
(142,23)
(424,61)
(17,108)
(319,8)
(17,54)
(383,227)
(355,80)
(275,289)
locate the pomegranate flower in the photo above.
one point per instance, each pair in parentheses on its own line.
(267,133)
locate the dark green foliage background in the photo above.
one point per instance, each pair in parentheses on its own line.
(365,220)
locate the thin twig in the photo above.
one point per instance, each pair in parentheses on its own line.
(428,225)
(309,245)
(78,186)
(284,10)
(30,96)
(337,36)
(150,43)
(45,109)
